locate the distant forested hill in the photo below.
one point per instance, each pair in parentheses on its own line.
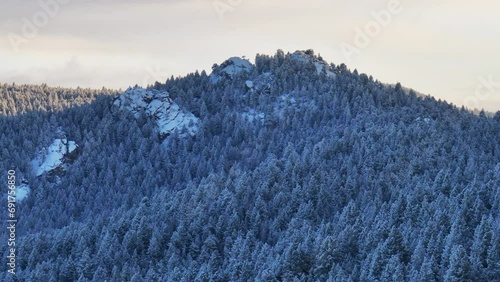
(294,170)
(19,99)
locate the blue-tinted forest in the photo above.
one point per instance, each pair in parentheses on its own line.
(300,175)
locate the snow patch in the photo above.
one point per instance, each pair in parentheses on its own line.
(158,106)
(288,99)
(285,103)
(22,192)
(249,84)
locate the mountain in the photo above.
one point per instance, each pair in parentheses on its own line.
(288,169)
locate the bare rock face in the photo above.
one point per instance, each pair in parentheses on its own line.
(159,107)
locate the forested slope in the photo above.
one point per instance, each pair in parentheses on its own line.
(298,171)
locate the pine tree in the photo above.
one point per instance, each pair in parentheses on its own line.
(459,269)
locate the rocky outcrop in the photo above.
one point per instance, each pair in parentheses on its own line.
(159,107)
(53,160)
(230,68)
(309,57)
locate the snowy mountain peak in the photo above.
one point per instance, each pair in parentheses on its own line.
(159,107)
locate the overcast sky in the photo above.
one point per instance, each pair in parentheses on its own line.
(446,48)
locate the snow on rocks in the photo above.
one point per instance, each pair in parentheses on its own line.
(319,63)
(158,106)
(22,192)
(425,120)
(253,115)
(230,68)
(236,65)
(54,158)
(261,83)
(249,84)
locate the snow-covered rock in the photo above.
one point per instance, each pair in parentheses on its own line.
(425,120)
(249,84)
(158,106)
(320,64)
(253,115)
(230,68)
(22,192)
(287,100)
(261,83)
(55,157)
